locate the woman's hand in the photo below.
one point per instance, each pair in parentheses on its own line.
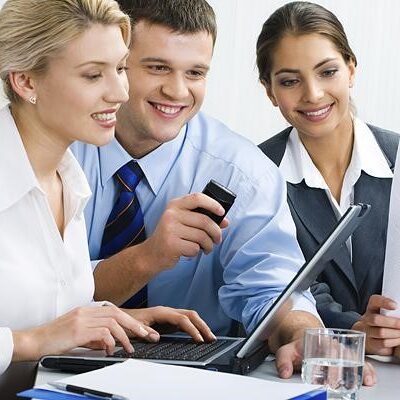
(184,320)
(96,327)
(383,333)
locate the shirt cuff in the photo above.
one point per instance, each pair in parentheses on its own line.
(306,302)
(6,348)
(94,264)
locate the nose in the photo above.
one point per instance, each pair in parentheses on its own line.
(175,87)
(118,89)
(313,91)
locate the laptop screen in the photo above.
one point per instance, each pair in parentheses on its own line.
(304,278)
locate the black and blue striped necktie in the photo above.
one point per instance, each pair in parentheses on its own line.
(125,225)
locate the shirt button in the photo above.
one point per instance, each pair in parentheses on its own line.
(63,283)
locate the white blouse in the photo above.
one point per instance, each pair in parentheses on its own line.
(42,275)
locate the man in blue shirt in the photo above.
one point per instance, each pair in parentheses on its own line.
(232,272)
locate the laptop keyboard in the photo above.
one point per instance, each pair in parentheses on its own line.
(185,350)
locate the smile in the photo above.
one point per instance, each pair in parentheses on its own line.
(167,110)
(104,116)
(317,115)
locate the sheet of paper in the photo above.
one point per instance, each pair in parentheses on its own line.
(391,275)
(143,380)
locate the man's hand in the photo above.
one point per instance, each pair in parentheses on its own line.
(180,232)
(183,232)
(184,320)
(383,333)
(289,359)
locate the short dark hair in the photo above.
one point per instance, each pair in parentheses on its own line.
(299,18)
(182,16)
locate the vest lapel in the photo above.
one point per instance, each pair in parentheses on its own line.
(368,244)
(312,206)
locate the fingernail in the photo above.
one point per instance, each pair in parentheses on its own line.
(154,337)
(131,349)
(368,380)
(200,338)
(393,304)
(283,371)
(143,331)
(213,336)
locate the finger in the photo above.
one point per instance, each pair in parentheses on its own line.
(377,346)
(115,330)
(102,335)
(376,302)
(199,237)
(369,375)
(123,319)
(224,224)
(201,326)
(195,200)
(383,333)
(203,223)
(153,335)
(284,361)
(184,324)
(383,321)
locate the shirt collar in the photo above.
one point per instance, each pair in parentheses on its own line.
(113,156)
(297,165)
(367,153)
(74,179)
(367,156)
(16,174)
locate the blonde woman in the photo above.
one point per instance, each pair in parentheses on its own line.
(62,64)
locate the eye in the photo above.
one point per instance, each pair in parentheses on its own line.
(122,69)
(288,82)
(329,73)
(92,77)
(194,74)
(158,68)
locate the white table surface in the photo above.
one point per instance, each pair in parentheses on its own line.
(387,388)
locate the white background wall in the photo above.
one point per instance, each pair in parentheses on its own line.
(236,97)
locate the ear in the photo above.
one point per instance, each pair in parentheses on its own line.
(23,84)
(352,73)
(270,93)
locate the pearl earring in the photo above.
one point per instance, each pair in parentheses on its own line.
(32,99)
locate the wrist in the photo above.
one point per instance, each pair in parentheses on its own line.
(26,346)
(149,262)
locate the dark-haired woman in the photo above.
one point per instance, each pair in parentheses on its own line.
(330,159)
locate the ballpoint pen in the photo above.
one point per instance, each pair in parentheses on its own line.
(87,391)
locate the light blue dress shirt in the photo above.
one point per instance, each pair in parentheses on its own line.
(259,254)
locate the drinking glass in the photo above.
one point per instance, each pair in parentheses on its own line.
(334,358)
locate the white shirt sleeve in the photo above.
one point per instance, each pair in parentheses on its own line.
(6,348)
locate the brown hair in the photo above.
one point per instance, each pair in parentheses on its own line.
(182,16)
(298,18)
(33,31)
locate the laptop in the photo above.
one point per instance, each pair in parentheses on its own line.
(228,354)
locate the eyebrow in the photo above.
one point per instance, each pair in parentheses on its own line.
(295,71)
(163,61)
(101,62)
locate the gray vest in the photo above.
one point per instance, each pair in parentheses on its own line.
(344,287)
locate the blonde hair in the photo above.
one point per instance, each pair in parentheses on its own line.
(33,31)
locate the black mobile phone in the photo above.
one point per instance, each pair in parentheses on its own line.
(220,193)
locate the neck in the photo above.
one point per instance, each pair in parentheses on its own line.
(331,154)
(38,141)
(333,150)
(135,142)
